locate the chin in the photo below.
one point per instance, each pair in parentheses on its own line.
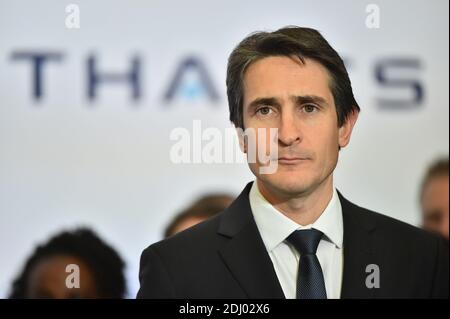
(287,182)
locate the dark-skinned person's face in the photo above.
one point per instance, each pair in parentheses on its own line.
(295,98)
(47,279)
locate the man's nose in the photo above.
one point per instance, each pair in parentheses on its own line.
(288,130)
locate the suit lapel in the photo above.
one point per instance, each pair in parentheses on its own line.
(247,259)
(245,254)
(358,251)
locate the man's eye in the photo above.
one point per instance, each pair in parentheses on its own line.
(434,217)
(264,110)
(309,108)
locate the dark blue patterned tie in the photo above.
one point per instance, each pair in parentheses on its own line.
(310,282)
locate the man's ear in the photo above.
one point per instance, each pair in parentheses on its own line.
(345,131)
(242,139)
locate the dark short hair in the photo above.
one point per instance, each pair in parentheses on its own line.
(437,169)
(292,41)
(204,208)
(83,243)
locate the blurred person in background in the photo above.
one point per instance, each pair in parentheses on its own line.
(202,209)
(44,276)
(434,198)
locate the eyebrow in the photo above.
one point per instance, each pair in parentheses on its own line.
(303,99)
(298,99)
(263,101)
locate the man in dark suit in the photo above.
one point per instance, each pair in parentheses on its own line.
(291,234)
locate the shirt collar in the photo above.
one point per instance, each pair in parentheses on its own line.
(275,227)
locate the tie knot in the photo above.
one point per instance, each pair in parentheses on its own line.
(305,241)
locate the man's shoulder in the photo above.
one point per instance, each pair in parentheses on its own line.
(194,240)
(391,229)
(409,256)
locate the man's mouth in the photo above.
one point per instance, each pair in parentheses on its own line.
(286,160)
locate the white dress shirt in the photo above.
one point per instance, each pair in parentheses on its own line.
(275,227)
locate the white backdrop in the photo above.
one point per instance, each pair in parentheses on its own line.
(66,160)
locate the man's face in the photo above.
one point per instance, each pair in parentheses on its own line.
(295,98)
(435,205)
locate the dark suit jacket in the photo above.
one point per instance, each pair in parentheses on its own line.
(224,257)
